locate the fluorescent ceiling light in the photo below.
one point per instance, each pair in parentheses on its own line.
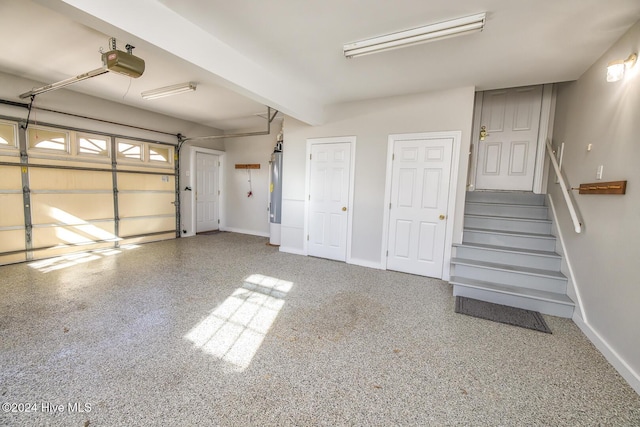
(169,90)
(439,31)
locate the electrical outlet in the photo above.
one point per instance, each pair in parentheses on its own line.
(599,172)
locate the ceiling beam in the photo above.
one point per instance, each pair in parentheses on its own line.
(154,23)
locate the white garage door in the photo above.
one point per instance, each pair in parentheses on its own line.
(77,191)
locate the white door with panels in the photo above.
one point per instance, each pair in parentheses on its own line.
(207,197)
(420,180)
(508,139)
(329,186)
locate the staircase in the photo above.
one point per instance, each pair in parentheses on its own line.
(507,255)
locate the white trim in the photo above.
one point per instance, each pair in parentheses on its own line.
(475,141)
(626,371)
(351,140)
(571,282)
(192,177)
(245,231)
(291,250)
(581,320)
(366,263)
(456,137)
(387,201)
(545,169)
(544,131)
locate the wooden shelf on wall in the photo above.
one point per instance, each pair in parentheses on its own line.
(611,187)
(248,166)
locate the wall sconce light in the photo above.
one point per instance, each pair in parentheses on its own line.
(169,90)
(616,69)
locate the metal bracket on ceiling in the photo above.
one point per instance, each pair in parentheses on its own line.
(269,117)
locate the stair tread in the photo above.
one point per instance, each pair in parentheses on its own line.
(508,218)
(510,233)
(512,290)
(507,267)
(549,254)
(512,197)
(516,205)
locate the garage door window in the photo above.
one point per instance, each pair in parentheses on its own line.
(48,139)
(7,136)
(92,145)
(130,150)
(160,154)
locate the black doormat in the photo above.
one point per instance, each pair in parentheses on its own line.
(502,313)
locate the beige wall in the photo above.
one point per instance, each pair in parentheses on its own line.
(244,214)
(605,256)
(371,122)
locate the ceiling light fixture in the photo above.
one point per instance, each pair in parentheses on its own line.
(169,90)
(616,69)
(439,31)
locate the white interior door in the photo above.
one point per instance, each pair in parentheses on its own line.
(507,154)
(329,183)
(207,198)
(420,182)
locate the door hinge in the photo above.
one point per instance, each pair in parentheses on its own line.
(218,221)
(387,253)
(389,206)
(307,237)
(310,156)
(218,192)
(219,164)
(393,157)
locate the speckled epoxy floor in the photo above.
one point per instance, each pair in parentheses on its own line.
(113,334)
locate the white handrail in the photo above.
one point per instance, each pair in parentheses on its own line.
(577,225)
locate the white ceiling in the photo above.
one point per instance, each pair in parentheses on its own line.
(245,54)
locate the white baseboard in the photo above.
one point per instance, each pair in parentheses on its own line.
(243,231)
(579,315)
(579,307)
(632,377)
(365,263)
(290,250)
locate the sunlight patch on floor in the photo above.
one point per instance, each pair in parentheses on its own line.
(69,260)
(234,331)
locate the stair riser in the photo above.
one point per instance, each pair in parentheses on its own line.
(506,197)
(514,211)
(510,258)
(544,307)
(509,241)
(513,278)
(523,226)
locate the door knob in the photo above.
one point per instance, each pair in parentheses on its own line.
(442,217)
(483,133)
(344,209)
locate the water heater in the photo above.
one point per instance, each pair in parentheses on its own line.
(275,192)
